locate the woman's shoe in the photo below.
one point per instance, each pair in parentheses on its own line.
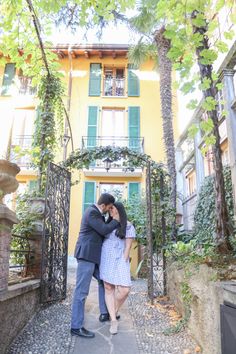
(114,327)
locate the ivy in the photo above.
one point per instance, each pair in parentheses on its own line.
(48,124)
(204,217)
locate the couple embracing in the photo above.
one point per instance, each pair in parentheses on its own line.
(102,251)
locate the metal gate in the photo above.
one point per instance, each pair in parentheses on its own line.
(55,234)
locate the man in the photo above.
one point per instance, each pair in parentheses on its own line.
(88,253)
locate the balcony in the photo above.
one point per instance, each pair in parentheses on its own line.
(97,168)
(25,87)
(21,157)
(114,87)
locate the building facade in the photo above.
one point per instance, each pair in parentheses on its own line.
(192,165)
(109,103)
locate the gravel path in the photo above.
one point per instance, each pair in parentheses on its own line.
(48,331)
(150,322)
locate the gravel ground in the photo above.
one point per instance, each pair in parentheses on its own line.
(149,323)
(48,331)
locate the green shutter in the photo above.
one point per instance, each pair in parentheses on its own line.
(33,185)
(89,194)
(133,82)
(8,77)
(92,126)
(95,80)
(134,128)
(133,190)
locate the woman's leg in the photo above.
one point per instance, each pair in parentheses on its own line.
(121,295)
(110,300)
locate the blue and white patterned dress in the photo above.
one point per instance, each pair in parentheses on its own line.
(114,269)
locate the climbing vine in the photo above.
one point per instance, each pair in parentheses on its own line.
(48,124)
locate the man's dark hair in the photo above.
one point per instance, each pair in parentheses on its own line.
(106,199)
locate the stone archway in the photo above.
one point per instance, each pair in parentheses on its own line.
(156,204)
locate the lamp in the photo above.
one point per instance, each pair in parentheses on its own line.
(107,163)
(64,140)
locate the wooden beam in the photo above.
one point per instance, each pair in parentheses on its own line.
(86,54)
(60,54)
(73,54)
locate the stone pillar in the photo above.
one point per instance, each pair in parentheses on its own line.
(199,161)
(229,97)
(35,242)
(7,219)
(37,206)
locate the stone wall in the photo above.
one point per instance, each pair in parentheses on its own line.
(17,306)
(207,295)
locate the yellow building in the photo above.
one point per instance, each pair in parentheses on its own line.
(109,103)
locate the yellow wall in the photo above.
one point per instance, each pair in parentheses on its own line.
(150,124)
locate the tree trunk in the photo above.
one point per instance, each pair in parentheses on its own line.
(222,217)
(165,68)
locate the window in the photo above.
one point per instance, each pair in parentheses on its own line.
(116,189)
(191,182)
(113,127)
(220,105)
(114,81)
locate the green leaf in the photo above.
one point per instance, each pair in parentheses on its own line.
(208,56)
(229,34)
(192,104)
(209,104)
(205,84)
(207,125)
(192,131)
(222,46)
(219,86)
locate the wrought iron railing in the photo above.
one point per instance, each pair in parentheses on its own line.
(21,155)
(114,86)
(22,257)
(25,86)
(136,144)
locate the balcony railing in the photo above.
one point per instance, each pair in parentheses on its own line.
(136,144)
(25,86)
(21,158)
(114,86)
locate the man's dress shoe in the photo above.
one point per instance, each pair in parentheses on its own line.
(82,332)
(105,317)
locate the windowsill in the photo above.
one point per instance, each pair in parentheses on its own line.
(189,197)
(114,96)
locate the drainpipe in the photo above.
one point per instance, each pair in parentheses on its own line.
(67,128)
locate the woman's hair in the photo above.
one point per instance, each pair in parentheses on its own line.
(121,230)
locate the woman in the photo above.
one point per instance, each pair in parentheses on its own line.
(115,266)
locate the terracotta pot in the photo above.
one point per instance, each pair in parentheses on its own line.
(8,182)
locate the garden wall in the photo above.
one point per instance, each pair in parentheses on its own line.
(207,295)
(17,306)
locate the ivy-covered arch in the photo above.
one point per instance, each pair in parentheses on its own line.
(157,201)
